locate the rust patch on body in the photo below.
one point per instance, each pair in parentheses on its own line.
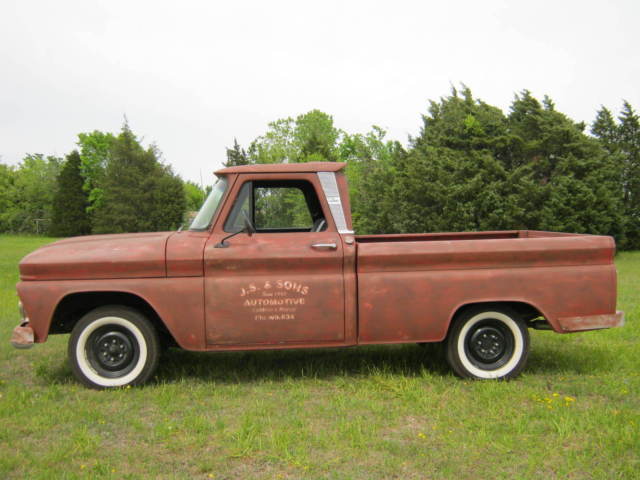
(592,322)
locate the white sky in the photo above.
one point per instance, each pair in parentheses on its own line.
(192,75)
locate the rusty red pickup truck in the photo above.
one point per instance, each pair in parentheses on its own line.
(271,262)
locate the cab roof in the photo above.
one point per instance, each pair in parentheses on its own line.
(284,168)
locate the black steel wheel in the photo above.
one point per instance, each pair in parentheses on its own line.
(112,351)
(113,346)
(488,343)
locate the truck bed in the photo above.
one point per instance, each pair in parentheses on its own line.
(411,286)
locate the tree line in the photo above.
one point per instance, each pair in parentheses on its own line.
(472,166)
(110,184)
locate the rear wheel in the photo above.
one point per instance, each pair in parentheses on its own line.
(113,346)
(488,343)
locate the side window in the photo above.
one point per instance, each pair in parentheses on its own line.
(277,206)
(281,208)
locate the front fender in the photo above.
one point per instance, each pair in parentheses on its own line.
(178,303)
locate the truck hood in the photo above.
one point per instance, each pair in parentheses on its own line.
(127,255)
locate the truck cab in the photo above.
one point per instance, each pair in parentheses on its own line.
(285,284)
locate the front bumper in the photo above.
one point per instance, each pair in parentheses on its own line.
(591,322)
(22,336)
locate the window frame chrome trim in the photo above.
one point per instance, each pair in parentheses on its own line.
(331,192)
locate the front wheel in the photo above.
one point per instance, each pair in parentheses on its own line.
(488,343)
(113,346)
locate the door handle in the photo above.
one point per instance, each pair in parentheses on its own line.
(324,246)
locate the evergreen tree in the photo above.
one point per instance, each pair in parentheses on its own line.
(629,149)
(438,189)
(455,175)
(69,210)
(604,128)
(236,156)
(460,122)
(473,168)
(168,199)
(567,181)
(139,193)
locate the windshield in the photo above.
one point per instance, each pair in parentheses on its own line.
(209,207)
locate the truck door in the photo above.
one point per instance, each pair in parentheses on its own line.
(284,284)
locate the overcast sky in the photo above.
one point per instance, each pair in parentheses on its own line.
(192,75)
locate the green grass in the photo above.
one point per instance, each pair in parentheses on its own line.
(369,412)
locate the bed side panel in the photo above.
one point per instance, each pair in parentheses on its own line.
(409,291)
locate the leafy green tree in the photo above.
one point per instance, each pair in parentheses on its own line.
(276,145)
(94,154)
(7,200)
(194,196)
(69,209)
(139,193)
(370,160)
(32,185)
(315,137)
(311,137)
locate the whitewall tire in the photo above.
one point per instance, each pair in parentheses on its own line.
(488,342)
(113,346)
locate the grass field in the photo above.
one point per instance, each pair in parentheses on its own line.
(361,413)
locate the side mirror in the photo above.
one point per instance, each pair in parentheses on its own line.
(248,228)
